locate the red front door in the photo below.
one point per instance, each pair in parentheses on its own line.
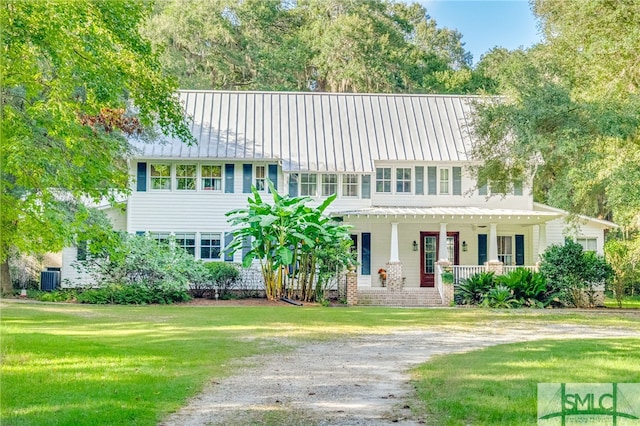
(429,245)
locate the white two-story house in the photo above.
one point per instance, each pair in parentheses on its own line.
(399,165)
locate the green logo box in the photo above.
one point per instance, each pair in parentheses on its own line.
(588,403)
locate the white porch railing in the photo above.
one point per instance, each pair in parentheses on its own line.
(461,272)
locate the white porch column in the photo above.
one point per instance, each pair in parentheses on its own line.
(493,243)
(542,239)
(394,255)
(443,253)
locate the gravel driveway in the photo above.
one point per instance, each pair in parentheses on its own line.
(361,380)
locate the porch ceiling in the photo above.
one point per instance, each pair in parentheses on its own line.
(473,215)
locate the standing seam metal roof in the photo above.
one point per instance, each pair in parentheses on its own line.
(324,132)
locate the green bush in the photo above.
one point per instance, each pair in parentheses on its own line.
(500,297)
(572,274)
(136,294)
(472,290)
(528,288)
(66,295)
(224,276)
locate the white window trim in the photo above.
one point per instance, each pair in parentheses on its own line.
(175,178)
(512,255)
(411,180)
(449,181)
(341,178)
(255,177)
(318,183)
(321,183)
(201,178)
(584,248)
(391,180)
(171,177)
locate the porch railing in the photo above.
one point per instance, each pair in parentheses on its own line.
(461,272)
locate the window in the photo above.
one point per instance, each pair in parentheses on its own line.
(350,185)
(451,249)
(161,237)
(505,249)
(210,246)
(588,244)
(261,174)
(483,188)
(186,177)
(444,181)
(187,242)
(82,250)
(160,176)
(403,179)
(212,178)
(329,185)
(517,187)
(383,179)
(308,184)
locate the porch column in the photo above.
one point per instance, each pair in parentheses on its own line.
(493,242)
(494,263)
(443,253)
(394,266)
(542,239)
(394,256)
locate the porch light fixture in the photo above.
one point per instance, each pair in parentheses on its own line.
(464,246)
(415,245)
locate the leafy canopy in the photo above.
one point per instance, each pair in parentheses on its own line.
(571,112)
(76,78)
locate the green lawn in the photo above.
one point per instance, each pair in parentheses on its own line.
(110,365)
(498,385)
(631,302)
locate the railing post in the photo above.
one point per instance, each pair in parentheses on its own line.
(352,286)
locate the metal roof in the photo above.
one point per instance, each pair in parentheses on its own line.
(459,213)
(320,131)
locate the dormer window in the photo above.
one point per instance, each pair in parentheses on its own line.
(383,179)
(403,180)
(261,175)
(329,184)
(444,181)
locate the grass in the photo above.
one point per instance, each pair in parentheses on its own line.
(114,365)
(498,385)
(629,302)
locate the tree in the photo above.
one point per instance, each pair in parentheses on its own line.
(570,112)
(292,242)
(76,78)
(323,45)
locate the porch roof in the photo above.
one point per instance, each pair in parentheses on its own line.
(457,214)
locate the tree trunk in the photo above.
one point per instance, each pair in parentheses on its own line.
(5,278)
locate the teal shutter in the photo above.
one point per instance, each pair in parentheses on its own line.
(366,253)
(142,177)
(519,249)
(482,249)
(140,233)
(228,178)
(247,176)
(273,174)
(228,237)
(517,187)
(482,187)
(246,246)
(366,186)
(293,184)
(432,180)
(419,180)
(457,180)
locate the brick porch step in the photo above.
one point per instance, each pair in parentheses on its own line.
(409,297)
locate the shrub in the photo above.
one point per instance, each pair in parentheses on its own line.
(572,274)
(224,276)
(135,294)
(528,288)
(500,296)
(472,290)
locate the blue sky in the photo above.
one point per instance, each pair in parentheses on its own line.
(486,24)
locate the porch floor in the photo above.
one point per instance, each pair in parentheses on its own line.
(407,297)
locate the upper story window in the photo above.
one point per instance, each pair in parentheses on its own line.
(383,179)
(186,177)
(588,244)
(211,178)
(329,184)
(403,180)
(308,184)
(261,177)
(444,181)
(350,185)
(160,176)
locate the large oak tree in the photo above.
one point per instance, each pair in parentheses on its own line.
(77,77)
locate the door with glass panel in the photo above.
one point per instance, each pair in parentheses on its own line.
(429,244)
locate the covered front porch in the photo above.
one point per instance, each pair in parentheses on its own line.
(405,249)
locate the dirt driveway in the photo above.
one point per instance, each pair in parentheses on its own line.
(361,380)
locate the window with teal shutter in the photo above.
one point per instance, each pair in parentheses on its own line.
(366,186)
(432,180)
(482,249)
(141,184)
(293,184)
(419,180)
(228,178)
(247,177)
(273,174)
(457,180)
